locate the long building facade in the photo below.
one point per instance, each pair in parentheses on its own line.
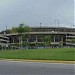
(36,35)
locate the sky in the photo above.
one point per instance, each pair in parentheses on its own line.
(34,12)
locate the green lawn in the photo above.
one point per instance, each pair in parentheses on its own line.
(38,54)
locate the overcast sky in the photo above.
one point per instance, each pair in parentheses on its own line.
(34,12)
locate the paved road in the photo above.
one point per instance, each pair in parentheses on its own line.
(32,68)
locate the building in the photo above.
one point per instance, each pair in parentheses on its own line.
(63,35)
(4,40)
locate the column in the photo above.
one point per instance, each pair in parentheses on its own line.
(54,38)
(36,39)
(13,40)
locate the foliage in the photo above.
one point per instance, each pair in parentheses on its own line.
(61,43)
(14,30)
(23,32)
(20,29)
(47,40)
(73,40)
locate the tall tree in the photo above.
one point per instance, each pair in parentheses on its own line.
(13,30)
(47,40)
(23,32)
(73,40)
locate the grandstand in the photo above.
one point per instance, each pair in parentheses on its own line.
(61,34)
(4,40)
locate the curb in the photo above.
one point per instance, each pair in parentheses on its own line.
(43,61)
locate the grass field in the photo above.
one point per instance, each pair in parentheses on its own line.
(40,54)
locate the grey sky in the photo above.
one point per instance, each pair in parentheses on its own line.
(34,12)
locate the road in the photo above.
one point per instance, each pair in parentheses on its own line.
(35,68)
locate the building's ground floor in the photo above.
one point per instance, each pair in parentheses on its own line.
(4,40)
(36,38)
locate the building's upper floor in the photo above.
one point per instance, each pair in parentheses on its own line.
(52,29)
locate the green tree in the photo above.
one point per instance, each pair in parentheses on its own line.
(60,43)
(23,32)
(73,40)
(47,40)
(13,30)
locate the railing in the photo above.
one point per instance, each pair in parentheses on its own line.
(43,33)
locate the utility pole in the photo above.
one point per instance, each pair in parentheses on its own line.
(40,25)
(57,22)
(7,38)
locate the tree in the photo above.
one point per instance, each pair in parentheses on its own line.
(23,32)
(60,43)
(73,40)
(14,30)
(47,40)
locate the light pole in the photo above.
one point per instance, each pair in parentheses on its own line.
(72,26)
(40,25)
(57,22)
